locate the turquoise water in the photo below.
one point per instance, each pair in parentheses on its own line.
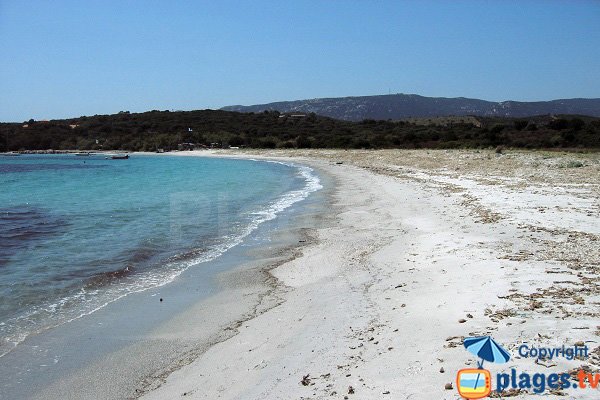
(77,233)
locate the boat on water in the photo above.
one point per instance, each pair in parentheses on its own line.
(119,157)
(83,154)
(11,154)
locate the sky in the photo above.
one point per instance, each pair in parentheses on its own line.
(61,59)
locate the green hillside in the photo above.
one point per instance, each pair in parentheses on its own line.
(166,130)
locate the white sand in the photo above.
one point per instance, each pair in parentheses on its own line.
(417,243)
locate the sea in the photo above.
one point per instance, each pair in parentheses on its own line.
(78,233)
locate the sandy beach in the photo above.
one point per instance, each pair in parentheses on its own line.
(420,249)
(350,200)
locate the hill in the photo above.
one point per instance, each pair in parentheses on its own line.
(400,106)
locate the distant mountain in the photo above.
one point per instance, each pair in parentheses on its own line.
(399,106)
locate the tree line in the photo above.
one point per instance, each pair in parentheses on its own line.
(154,130)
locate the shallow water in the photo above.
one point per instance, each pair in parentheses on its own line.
(77,234)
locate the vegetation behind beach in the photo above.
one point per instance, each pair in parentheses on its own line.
(154,130)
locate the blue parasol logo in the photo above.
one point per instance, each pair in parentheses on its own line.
(476,383)
(487,349)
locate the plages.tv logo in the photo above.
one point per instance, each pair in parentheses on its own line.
(476,383)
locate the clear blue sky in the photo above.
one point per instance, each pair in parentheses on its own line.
(70,58)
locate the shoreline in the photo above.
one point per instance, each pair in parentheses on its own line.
(429,247)
(292,237)
(236,282)
(415,251)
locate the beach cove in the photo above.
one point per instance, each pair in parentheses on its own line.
(368,289)
(116,344)
(426,248)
